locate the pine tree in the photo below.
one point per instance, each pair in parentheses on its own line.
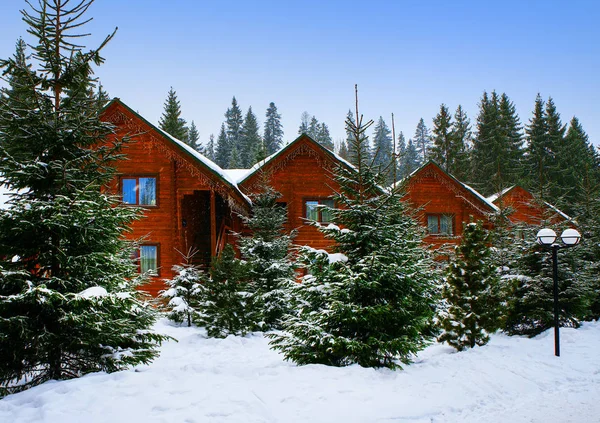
(67,300)
(250,141)
(193,139)
(351,144)
(209,151)
(227,306)
(171,121)
(273,134)
(323,136)
(304,123)
(383,150)
(184,293)
(233,123)
(443,149)
(369,303)
(462,139)
(223,152)
(496,154)
(471,281)
(422,141)
(343,150)
(267,253)
(538,152)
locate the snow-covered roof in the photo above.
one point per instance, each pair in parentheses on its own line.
(493,198)
(562,214)
(267,160)
(478,195)
(237,175)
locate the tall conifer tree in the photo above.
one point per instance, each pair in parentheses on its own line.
(194,138)
(67,301)
(323,136)
(234,122)
(171,121)
(250,141)
(273,133)
(422,141)
(383,150)
(443,149)
(223,151)
(462,139)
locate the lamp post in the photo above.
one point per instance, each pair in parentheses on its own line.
(547,238)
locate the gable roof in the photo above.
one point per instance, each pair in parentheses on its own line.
(494,198)
(289,147)
(187,151)
(483,200)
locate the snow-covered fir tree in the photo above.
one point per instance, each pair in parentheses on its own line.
(470,312)
(370,301)
(171,121)
(67,300)
(228,304)
(273,130)
(193,138)
(185,292)
(268,255)
(209,150)
(422,141)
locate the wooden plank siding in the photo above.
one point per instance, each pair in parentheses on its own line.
(177,174)
(526,209)
(301,171)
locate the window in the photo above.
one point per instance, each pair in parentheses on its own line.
(314,212)
(148,256)
(440,224)
(139,190)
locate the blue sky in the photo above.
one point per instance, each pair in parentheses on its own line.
(407,57)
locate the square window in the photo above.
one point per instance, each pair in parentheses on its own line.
(315,211)
(149,259)
(440,224)
(138,190)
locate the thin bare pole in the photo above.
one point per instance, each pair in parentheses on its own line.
(394,152)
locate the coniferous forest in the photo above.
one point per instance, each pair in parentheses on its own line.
(68,299)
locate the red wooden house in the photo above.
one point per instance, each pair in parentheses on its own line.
(444,203)
(191,203)
(524,208)
(188,202)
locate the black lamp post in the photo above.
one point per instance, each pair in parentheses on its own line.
(547,238)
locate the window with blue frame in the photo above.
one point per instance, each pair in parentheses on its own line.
(138,190)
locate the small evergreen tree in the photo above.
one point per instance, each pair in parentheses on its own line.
(193,139)
(471,281)
(209,151)
(228,306)
(67,300)
(267,253)
(369,303)
(171,121)
(343,150)
(273,133)
(184,292)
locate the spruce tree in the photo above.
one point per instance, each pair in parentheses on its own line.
(304,123)
(233,124)
(67,300)
(209,151)
(443,149)
(462,139)
(343,150)
(185,292)
(223,151)
(193,139)
(171,121)
(422,141)
(351,143)
(471,281)
(227,305)
(383,150)
(400,155)
(555,133)
(250,141)
(370,302)
(410,161)
(538,152)
(313,128)
(273,134)
(267,253)
(323,136)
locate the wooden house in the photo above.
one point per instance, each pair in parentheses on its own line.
(188,202)
(443,203)
(524,208)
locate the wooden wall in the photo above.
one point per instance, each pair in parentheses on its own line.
(525,209)
(300,173)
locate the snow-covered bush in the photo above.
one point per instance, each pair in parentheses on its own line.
(184,294)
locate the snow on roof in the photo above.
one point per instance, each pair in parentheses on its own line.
(238,175)
(562,214)
(494,197)
(481,197)
(265,161)
(206,161)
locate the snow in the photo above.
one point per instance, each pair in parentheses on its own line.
(239,379)
(93,292)
(237,175)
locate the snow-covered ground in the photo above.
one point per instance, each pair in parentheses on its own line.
(512,379)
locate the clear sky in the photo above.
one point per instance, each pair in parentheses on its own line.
(407,57)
